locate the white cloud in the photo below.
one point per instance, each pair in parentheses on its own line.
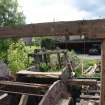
(48,10)
(95,8)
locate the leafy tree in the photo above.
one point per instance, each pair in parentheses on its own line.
(9,16)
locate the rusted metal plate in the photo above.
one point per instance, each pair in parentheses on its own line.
(89,28)
(54,94)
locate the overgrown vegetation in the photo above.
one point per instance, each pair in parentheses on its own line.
(84,65)
(53,65)
(48,43)
(17,56)
(9,16)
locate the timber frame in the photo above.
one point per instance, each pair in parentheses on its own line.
(91,29)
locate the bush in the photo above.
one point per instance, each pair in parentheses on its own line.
(17,56)
(48,43)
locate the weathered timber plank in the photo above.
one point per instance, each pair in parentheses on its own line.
(3,96)
(54,94)
(90,97)
(37,77)
(53,76)
(48,52)
(23,100)
(90,28)
(91,91)
(25,88)
(67,101)
(40,74)
(81,82)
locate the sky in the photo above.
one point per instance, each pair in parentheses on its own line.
(37,11)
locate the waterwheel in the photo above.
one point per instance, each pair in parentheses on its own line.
(57,94)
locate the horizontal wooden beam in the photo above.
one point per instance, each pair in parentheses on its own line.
(3,96)
(81,82)
(39,74)
(23,88)
(87,97)
(91,91)
(89,28)
(50,77)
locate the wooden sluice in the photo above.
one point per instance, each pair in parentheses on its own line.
(42,92)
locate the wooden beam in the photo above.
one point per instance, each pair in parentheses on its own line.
(23,100)
(89,28)
(3,96)
(87,97)
(81,82)
(103,73)
(23,88)
(52,76)
(67,101)
(91,91)
(39,74)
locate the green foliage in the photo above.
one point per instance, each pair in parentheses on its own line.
(4,44)
(9,16)
(78,72)
(87,63)
(74,58)
(17,56)
(53,65)
(48,43)
(36,41)
(48,68)
(43,67)
(30,49)
(76,63)
(55,69)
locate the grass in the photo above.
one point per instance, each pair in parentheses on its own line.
(86,64)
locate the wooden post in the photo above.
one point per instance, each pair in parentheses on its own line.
(102,101)
(59,60)
(23,100)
